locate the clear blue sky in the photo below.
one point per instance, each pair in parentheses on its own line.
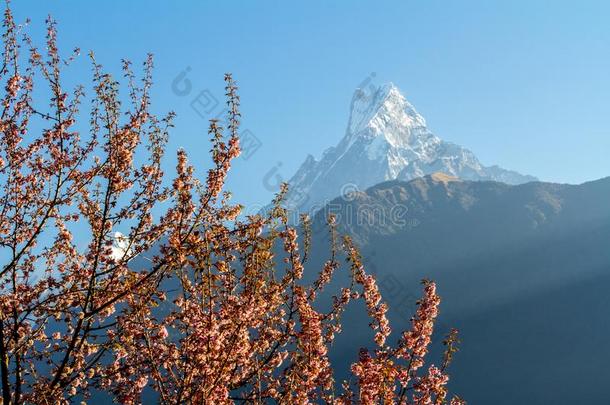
(524,84)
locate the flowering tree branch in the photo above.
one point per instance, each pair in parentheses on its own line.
(117,278)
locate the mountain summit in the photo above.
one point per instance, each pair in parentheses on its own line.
(386,139)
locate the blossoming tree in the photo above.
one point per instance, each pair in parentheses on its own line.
(215,314)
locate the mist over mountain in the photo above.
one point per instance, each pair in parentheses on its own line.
(385,139)
(522,270)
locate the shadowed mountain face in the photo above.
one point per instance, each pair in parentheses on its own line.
(523,271)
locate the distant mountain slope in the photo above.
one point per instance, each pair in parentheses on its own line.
(546,348)
(386,139)
(447,229)
(514,265)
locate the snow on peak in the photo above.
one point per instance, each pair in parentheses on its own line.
(385,139)
(383,112)
(373,109)
(120,247)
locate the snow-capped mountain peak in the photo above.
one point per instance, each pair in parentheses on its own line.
(386,139)
(372,112)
